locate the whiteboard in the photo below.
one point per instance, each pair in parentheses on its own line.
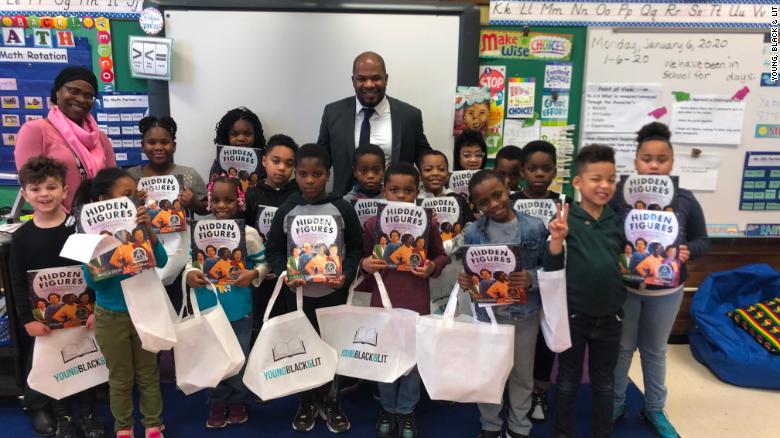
(697,63)
(286,66)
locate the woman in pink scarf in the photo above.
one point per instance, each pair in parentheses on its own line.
(69,133)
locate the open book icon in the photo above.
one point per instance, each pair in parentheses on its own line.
(292,347)
(73,351)
(365,336)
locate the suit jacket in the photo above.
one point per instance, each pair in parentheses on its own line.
(337,134)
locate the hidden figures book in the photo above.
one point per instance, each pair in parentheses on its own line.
(459,181)
(489,267)
(651,252)
(450,214)
(543,209)
(219,249)
(315,248)
(402,235)
(162,202)
(366,208)
(59,296)
(265,216)
(116,217)
(239,162)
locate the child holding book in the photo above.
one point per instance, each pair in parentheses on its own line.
(227,402)
(128,364)
(279,164)
(408,290)
(239,127)
(538,169)
(500,224)
(595,293)
(159,145)
(509,161)
(434,174)
(650,311)
(369,171)
(37,245)
(311,174)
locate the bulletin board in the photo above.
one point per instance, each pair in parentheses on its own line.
(33,50)
(528,66)
(686,65)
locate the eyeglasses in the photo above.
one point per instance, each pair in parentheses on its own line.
(75,92)
(469,155)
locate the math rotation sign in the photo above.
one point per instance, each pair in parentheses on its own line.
(516,45)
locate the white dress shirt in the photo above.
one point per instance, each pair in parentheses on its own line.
(381,126)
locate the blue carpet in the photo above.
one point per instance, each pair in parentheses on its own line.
(186,417)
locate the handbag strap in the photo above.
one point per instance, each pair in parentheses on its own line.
(452,306)
(380,285)
(193,299)
(275,296)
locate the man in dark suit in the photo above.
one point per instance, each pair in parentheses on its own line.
(370,117)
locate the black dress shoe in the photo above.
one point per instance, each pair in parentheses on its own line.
(43,422)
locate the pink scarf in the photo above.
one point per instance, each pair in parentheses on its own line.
(84,140)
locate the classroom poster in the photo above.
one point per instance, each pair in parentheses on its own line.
(116,217)
(449,214)
(651,252)
(555,106)
(59,296)
(760,182)
(472,109)
(265,216)
(162,202)
(557,75)
(494,77)
(239,162)
(402,235)
(366,208)
(459,181)
(315,248)
(543,209)
(708,119)
(520,104)
(489,267)
(219,249)
(619,108)
(509,44)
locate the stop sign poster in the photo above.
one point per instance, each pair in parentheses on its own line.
(494,77)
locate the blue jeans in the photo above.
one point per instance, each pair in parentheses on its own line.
(401,396)
(233,389)
(601,335)
(647,324)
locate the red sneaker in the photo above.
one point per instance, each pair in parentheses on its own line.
(236,413)
(217,416)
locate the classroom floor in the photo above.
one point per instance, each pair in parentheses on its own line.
(701,406)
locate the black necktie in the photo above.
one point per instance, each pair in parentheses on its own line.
(365,127)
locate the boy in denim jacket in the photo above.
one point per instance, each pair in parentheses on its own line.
(499,224)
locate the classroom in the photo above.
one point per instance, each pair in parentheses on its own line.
(390,218)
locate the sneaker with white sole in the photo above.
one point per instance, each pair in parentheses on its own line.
(538,413)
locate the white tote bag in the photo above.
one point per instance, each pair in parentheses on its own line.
(555,312)
(177,246)
(288,356)
(150,310)
(207,350)
(372,343)
(465,362)
(66,362)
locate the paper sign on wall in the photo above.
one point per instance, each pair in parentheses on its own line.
(521,98)
(555,106)
(557,75)
(708,119)
(518,134)
(150,58)
(620,107)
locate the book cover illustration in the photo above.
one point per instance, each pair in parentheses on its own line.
(649,192)
(59,296)
(366,208)
(449,215)
(651,253)
(402,235)
(162,202)
(219,249)
(489,267)
(116,217)
(315,248)
(265,216)
(543,209)
(472,109)
(239,162)
(459,181)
